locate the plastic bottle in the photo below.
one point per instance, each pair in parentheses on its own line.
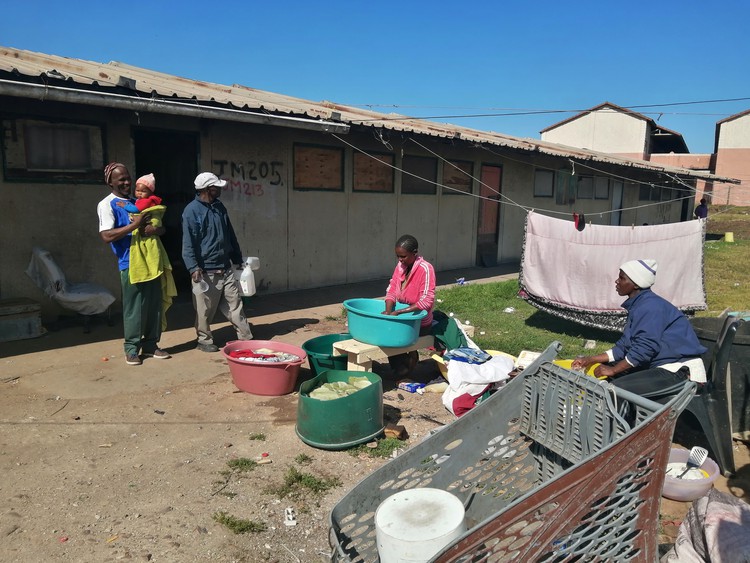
(247,279)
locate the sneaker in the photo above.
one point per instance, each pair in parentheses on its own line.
(207,347)
(133,360)
(158,354)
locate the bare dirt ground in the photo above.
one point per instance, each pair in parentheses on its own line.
(102,461)
(106,462)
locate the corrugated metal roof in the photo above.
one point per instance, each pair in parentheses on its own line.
(147,83)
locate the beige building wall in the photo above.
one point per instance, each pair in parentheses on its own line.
(603,130)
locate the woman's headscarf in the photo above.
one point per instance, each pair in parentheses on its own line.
(111,168)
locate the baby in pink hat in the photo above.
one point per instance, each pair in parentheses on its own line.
(145,186)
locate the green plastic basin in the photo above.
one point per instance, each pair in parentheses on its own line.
(320,353)
(343,422)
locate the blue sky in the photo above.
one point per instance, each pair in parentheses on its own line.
(428,58)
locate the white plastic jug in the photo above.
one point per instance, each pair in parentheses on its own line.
(247,278)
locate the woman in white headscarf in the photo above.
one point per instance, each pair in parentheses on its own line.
(658,347)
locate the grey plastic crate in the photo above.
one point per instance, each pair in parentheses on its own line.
(547,469)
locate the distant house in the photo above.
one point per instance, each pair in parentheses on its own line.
(613,129)
(733,160)
(619,131)
(318,191)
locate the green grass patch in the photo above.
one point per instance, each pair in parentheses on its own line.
(303,459)
(727,284)
(384,449)
(257,436)
(242,464)
(526,328)
(297,483)
(239,525)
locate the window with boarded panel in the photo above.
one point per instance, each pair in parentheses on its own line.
(53,152)
(457,176)
(373,172)
(318,168)
(419,175)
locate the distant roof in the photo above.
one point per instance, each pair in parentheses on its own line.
(155,90)
(670,141)
(733,117)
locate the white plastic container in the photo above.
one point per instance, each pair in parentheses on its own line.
(200,287)
(412,526)
(254,262)
(247,281)
(246,278)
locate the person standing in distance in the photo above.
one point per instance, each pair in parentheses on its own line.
(701,211)
(209,248)
(141,302)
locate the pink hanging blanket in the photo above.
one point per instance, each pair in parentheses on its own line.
(572,273)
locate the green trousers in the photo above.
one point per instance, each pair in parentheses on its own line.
(141,314)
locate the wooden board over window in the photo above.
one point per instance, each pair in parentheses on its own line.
(318,168)
(457,176)
(373,172)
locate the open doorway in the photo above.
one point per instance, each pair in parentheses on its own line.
(172,157)
(488,223)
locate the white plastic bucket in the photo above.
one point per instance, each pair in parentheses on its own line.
(412,526)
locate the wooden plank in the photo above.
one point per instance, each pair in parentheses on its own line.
(360,355)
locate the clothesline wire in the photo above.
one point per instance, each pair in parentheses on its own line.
(551,211)
(675,179)
(508,201)
(438,184)
(414,106)
(629,180)
(511,202)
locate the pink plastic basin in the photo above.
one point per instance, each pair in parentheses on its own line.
(264,378)
(687,490)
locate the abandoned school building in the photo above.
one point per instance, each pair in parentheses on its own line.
(318,191)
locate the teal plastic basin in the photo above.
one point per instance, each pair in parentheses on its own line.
(368,324)
(343,422)
(320,353)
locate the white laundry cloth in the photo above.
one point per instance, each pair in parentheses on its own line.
(473,379)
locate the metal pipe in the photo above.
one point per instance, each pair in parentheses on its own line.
(171,107)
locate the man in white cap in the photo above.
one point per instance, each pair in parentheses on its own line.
(209,248)
(658,347)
